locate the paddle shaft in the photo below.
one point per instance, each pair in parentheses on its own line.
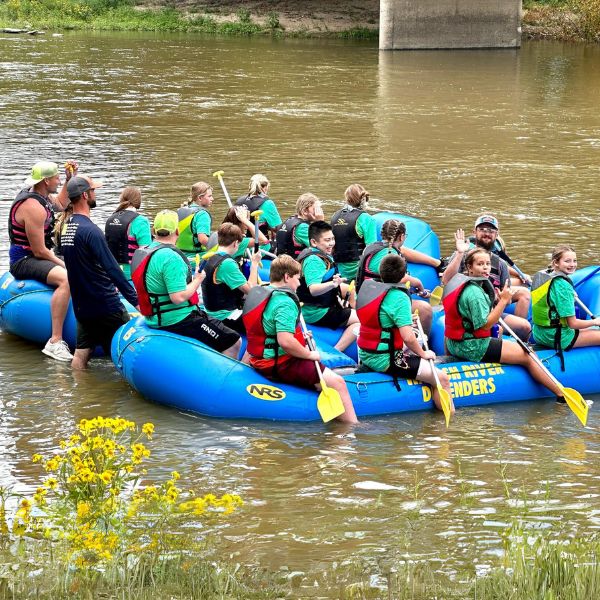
(531,353)
(584,307)
(313,347)
(431,361)
(219,176)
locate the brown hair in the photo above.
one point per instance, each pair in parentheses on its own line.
(197,190)
(304,202)
(130,196)
(231,217)
(391,230)
(284,265)
(392,268)
(229,233)
(471,254)
(355,194)
(558,252)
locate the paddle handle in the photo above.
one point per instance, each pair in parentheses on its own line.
(219,176)
(584,307)
(424,338)
(313,347)
(531,353)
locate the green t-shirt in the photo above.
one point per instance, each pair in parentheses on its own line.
(139,228)
(313,271)
(167,274)
(228,273)
(301,234)
(395,311)
(366,228)
(376,259)
(475,303)
(280,315)
(270,214)
(561,294)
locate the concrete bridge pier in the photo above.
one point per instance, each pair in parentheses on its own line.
(437,24)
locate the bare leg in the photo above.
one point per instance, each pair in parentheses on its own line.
(522,297)
(425,313)
(588,337)
(246,358)
(348,336)
(513,354)
(233,351)
(425,374)
(60,300)
(519,325)
(81,358)
(333,380)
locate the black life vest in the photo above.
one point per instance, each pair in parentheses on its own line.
(364,265)
(254,309)
(253,203)
(219,296)
(152,304)
(323,300)
(116,231)
(348,245)
(284,239)
(16,231)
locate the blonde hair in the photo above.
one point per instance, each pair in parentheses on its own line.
(59,223)
(257,184)
(130,196)
(304,202)
(558,252)
(392,230)
(197,190)
(355,195)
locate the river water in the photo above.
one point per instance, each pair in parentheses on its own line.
(439,135)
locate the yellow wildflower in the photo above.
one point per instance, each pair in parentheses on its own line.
(148,429)
(37,458)
(106,476)
(83,510)
(175,475)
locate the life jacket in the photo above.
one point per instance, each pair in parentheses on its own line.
(254,309)
(188,240)
(543,310)
(328,298)
(253,203)
(152,304)
(284,239)
(219,296)
(372,333)
(116,231)
(364,265)
(457,325)
(348,245)
(16,231)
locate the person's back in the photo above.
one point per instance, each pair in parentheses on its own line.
(258,198)
(195,221)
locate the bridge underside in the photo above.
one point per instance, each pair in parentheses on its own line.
(437,24)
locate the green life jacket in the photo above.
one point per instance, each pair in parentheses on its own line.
(543,310)
(188,240)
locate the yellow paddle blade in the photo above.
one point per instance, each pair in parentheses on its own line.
(436,295)
(210,252)
(446,403)
(576,403)
(329,403)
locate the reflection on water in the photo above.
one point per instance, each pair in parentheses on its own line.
(440,135)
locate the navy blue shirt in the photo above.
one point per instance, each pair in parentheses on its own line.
(93,271)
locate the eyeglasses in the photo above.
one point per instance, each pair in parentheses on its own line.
(487,230)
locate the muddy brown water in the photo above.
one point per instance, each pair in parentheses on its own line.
(439,135)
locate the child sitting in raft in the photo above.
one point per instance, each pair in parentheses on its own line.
(470,315)
(194,220)
(275,342)
(393,234)
(384,310)
(553,301)
(322,288)
(292,236)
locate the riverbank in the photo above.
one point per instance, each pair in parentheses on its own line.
(567,20)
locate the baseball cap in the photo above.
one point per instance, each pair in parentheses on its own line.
(166,221)
(81,183)
(487,220)
(40,171)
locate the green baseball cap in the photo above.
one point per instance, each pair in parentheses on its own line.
(40,171)
(166,222)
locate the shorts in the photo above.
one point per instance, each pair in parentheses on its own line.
(493,352)
(335,317)
(30,267)
(212,332)
(235,324)
(297,371)
(572,343)
(99,331)
(405,366)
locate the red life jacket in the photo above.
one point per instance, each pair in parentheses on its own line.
(458,325)
(152,304)
(368,308)
(254,309)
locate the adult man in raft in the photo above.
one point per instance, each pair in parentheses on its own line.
(93,273)
(276,344)
(30,227)
(168,292)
